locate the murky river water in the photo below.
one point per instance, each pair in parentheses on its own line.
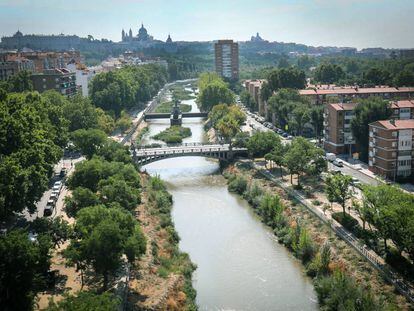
(240,264)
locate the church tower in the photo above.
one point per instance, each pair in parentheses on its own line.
(123,35)
(130,34)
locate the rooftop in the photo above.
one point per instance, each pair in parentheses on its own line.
(395,125)
(356,90)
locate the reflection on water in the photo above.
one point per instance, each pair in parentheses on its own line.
(240,264)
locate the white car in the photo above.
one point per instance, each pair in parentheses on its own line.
(338,163)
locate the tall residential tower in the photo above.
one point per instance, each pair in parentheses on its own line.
(227,59)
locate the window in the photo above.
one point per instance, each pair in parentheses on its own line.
(394,134)
(394,144)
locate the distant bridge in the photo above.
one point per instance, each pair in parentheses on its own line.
(151,116)
(222,152)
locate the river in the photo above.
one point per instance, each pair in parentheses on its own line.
(240,264)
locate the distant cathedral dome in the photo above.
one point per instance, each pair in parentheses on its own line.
(143,34)
(18,34)
(169,40)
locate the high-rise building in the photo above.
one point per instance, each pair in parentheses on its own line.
(227,59)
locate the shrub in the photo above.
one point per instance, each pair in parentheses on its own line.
(346,220)
(305,247)
(237,184)
(320,263)
(340,292)
(316,202)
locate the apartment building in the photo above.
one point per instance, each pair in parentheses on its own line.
(12,66)
(60,80)
(254,88)
(337,124)
(227,59)
(391,148)
(320,96)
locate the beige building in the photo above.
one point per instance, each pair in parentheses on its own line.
(227,59)
(254,88)
(391,148)
(337,124)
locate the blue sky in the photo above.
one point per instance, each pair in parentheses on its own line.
(358,23)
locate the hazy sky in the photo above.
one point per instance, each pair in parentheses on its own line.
(358,23)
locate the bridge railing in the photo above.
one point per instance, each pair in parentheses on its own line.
(179,145)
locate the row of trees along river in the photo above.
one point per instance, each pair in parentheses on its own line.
(240,265)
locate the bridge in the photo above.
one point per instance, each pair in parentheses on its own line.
(155,115)
(221,152)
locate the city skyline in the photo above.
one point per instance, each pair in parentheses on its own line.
(301,21)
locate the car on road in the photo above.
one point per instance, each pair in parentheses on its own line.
(334,172)
(330,156)
(63,172)
(356,182)
(50,206)
(285,135)
(54,196)
(289,137)
(338,163)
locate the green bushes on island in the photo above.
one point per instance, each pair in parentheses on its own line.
(180,93)
(167,107)
(173,134)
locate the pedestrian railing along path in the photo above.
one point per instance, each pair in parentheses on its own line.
(402,286)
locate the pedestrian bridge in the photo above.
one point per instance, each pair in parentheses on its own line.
(142,155)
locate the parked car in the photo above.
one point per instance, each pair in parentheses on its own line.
(330,156)
(338,163)
(50,206)
(54,196)
(289,137)
(285,135)
(63,172)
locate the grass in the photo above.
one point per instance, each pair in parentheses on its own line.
(167,107)
(173,134)
(180,93)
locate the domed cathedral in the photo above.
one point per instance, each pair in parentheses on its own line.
(169,40)
(142,36)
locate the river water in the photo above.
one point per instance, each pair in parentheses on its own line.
(240,265)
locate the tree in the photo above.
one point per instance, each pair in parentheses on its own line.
(248,100)
(291,78)
(57,229)
(20,82)
(301,157)
(228,127)
(338,189)
(117,190)
(368,111)
(316,119)
(32,134)
(329,73)
(262,143)
(80,198)
(391,212)
(23,265)
(377,76)
(404,78)
(86,301)
(103,235)
(89,141)
(276,155)
(215,93)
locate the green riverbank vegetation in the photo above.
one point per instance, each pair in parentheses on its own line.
(173,134)
(343,280)
(167,107)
